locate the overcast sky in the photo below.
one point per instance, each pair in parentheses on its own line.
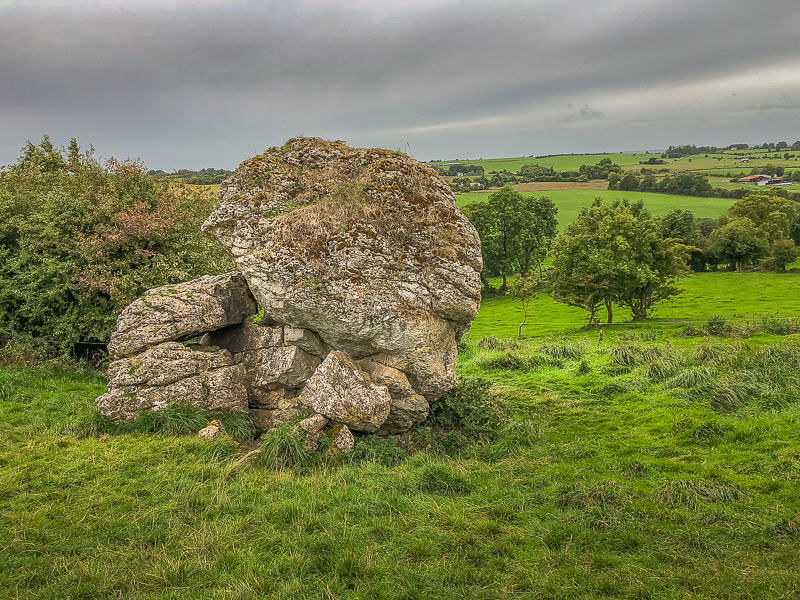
(193,84)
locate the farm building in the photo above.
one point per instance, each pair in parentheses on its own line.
(754,179)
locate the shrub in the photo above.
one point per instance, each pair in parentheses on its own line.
(471,406)
(80,239)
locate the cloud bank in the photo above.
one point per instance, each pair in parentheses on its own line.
(196,84)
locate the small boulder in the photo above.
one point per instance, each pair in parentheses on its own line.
(342,392)
(408,407)
(182,311)
(211,431)
(313,424)
(344,440)
(307,340)
(174,374)
(288,367)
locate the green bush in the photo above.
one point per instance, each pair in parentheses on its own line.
(81,239)
(471,406)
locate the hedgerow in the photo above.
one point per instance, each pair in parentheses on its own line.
(82,238)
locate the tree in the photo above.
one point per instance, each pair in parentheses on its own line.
(739,242)
(777,216)
(614,252)
(525,288)
(515,232)
(784,252)
(629,182)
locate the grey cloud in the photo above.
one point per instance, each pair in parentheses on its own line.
(215,83)
(584,114)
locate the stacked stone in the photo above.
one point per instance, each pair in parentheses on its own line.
(360,323)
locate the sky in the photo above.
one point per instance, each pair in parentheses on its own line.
(195,84)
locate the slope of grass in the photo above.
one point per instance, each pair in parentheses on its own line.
(570,202)
(618,471)
(559,163)
(739,297)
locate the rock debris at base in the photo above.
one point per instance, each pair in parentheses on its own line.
(367,276)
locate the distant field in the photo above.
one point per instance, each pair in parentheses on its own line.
(740,296)
(559,163)
(570,202)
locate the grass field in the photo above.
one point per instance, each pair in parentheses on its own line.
(739,297)
(570,202)
(728,162)
(559,163)
(649,466)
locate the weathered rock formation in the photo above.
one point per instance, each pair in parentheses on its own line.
(367,274)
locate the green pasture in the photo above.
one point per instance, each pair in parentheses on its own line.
(647,466)
(570,202)
(698,162)
(739,297)
(559,163)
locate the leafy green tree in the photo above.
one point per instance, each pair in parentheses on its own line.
(515,232)
(784,252)
(739,242)
(614,253)
(629,182)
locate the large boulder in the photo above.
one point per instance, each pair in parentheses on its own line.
(365,247)
(182,311)
(170,374)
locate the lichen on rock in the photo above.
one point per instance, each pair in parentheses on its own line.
(367,275)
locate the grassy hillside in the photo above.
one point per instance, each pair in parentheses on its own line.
(570,202)
(559,163)
(633,469)
(739,297)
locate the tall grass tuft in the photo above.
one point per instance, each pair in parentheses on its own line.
(282,447)
(691,493)
(689,378)
(443,479)
(562,350)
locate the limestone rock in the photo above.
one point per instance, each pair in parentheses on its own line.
(270,399)
(182,311)
(165,364)
(245,337)
(311,443)
(313,424)
(342,392)
(408,408)
(210,431)
(365,247)
(307,340)
(217,390)
(287,367)
(284,415)
(344,440)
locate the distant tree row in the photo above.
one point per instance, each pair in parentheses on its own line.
(202,177)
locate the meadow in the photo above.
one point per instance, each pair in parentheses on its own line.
(559,163)
(648,465)
(570,202)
